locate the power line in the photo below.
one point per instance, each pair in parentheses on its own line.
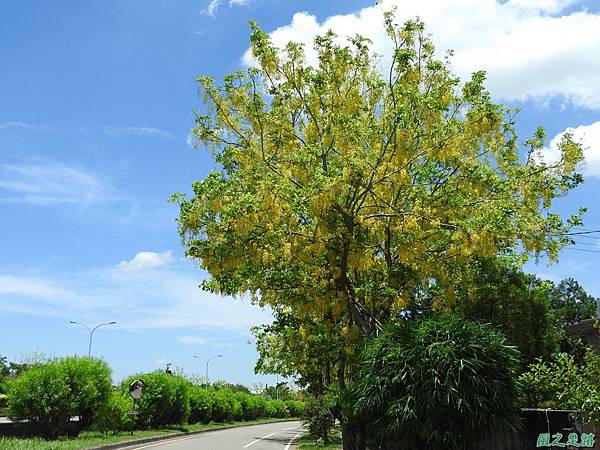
(588,243)
(581,250)
(580,232)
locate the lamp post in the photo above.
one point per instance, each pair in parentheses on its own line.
(207,361)
(91,330)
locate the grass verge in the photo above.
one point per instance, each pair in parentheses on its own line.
(308,442)
(89,439)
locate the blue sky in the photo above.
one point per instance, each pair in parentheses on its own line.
(96,103)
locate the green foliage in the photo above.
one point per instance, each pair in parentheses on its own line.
(49,395)
(280,408)
(3,400)
(250,407)
(570,304)
(318,417)
(341,193)
(261,406)
(232,387)
(201,405)
(501,294)
(270,410)
(225,406)
(113,417)
(436,383)
(561,383)
(294,408)
(166,399)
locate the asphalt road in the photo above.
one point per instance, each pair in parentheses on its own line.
(269,436)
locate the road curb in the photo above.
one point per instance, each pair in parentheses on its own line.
(148,440)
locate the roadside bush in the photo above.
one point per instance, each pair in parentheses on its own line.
(261,406)
(201,405)
(49,395)
(222,406)
(294,408)
(3,400)
(280,410)
(270,410)
(236,406)
(166,399)
(113,417)
(318,418)
(436,383)
(249,404)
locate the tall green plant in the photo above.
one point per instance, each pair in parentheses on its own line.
(436,383)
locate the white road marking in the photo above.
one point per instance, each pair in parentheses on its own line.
(168,441)
(259,439)
(287,447)
(290,428)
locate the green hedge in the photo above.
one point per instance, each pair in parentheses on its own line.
(166,399)
(49,395)
(115,416)
(201,405)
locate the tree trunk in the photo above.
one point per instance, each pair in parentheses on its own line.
(352,436)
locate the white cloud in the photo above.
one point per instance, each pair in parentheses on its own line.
(163,298)
(214,5)
(113,132)
(589,137)
(33,287)
(191,340)
(528,48)
(136,131)
(47,183)
(14,124)
(146,260)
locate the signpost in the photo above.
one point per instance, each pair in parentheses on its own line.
(136,391)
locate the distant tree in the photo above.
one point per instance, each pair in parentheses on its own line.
(570,304)
(499,293)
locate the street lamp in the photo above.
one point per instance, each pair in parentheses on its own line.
(91,330)
(207,361)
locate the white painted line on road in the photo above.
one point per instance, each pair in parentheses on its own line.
(259,439)
(290,428)
(287,447)
(168,441)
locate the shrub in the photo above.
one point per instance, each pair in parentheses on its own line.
(236,406)
(261,406)
(436,383)
(270,410)
(222,406)
(280,410)
(318,418)
(3,400)
(201,405)
(49,395)
(166,399)
(114,416)
(294,408)
(249,403)
(561,383)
